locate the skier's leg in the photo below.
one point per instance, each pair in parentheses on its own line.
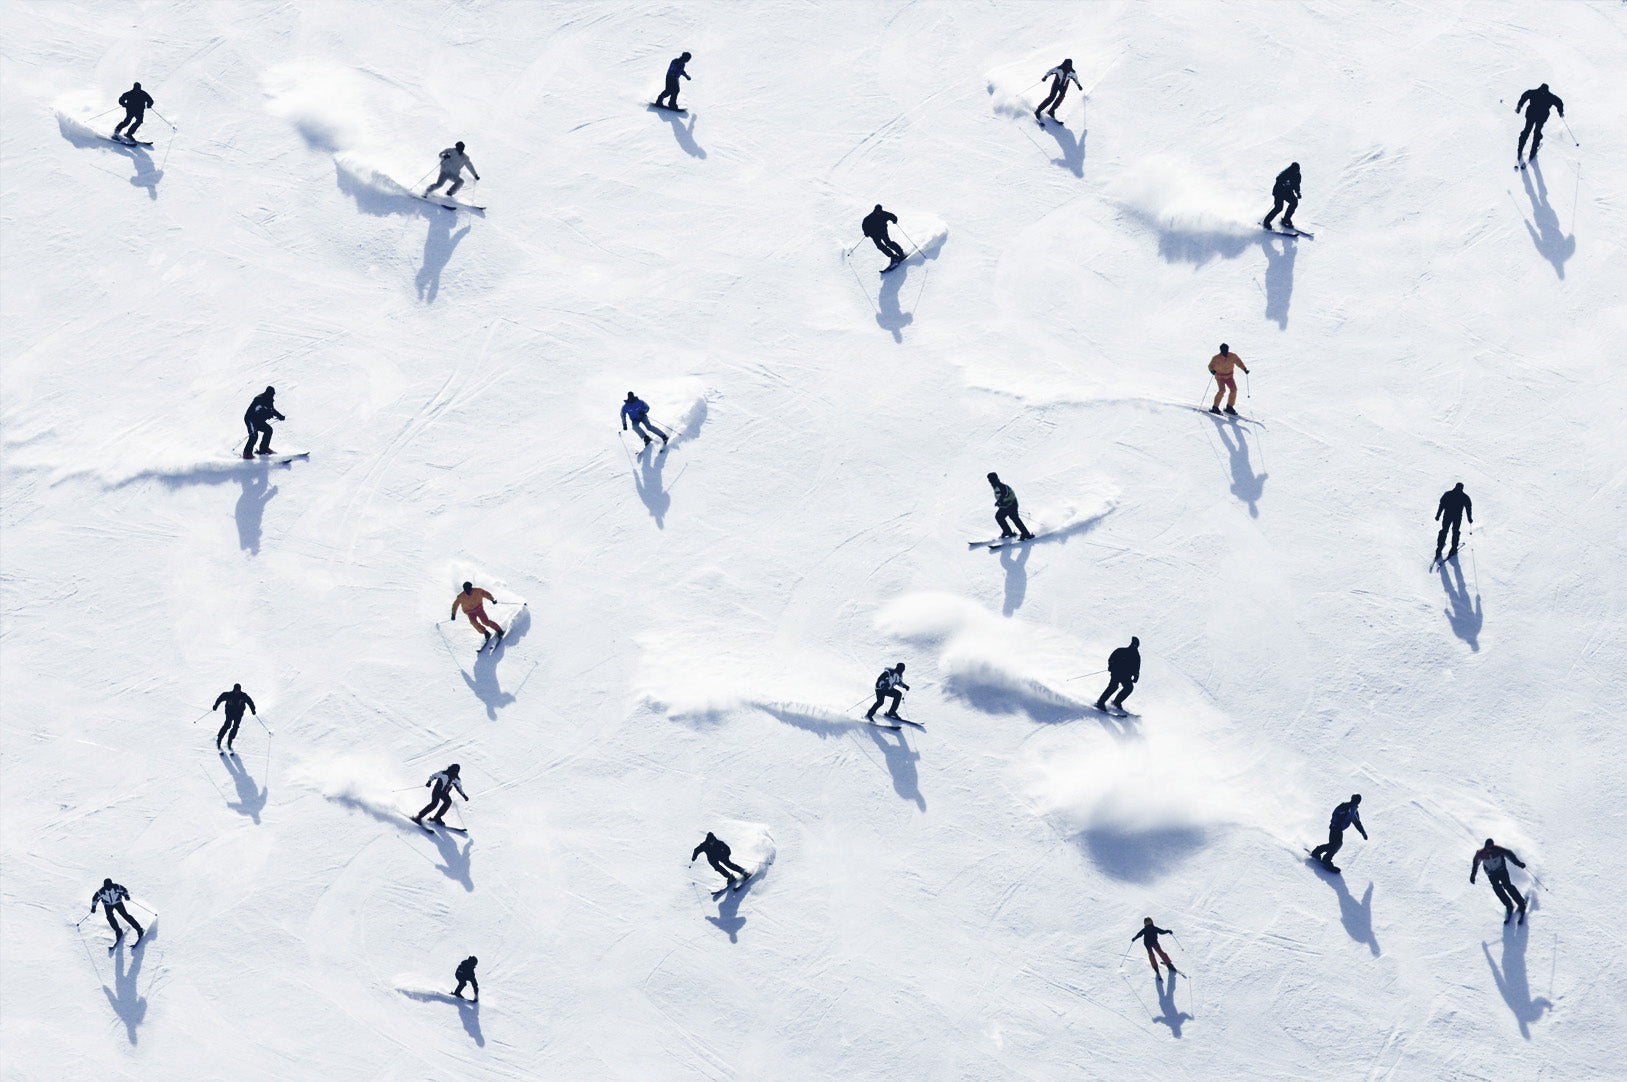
(108,910)
(1046,104)
(731,864)
(457,182)
(1536,137)
(1231,392)
(1150,959)
(880,695)
(131,131)
(425,810)
(1112,686)
(1165,957)
(897,252)
(248,448)
(265,437)
(1288,215)
(898,700)
(1440,538)
(1220,389)
(1022,531)
(1497,889)
(231,737)
(483,623)
(1525,133)
(1125,694)
(474,986)
(1276,209)
(125,913)
(718,867)
(444,805)
(223,730)
(458,991)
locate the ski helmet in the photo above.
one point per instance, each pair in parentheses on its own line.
(1146,920)
(459,145)
(685,56)
(468,586)
(878,208)
(1067,65)
(473,960)
(1355,798)
(107,882)
(270,390)
(453,770)
(1544,86)
(1488,843)
(994,477)
(1134,641)
(137,86)
(1224,349)
(899,667)
(237,687)
(631,396)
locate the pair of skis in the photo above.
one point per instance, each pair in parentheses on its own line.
(1290,232)
(128,142)
(902,722)
(734,884)
(995,544)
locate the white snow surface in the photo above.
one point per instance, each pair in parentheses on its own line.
(954,903)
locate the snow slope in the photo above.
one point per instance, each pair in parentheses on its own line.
(953,903)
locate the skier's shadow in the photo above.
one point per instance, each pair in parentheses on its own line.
(127,1003)
(484,681)
(1279,277)
(889,316)
(728,917)
(251,799)
(468,1010)
(1550,240)
(439,244)
(1128,732)
(455,860)
(1512,981)
(1173,1016)
(251,508)
(684,133)
(901,760)
(148,177)
(1465,616)
(1073,150)
(1014,559)
(1356,916)
(648,482)
(1246,485)
(82,136)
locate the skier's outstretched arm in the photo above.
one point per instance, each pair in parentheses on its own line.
(698,850)
(250,703)
(218,701)
(1523,99)
(1475,867)
(1468,508)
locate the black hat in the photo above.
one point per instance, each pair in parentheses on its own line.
(270,389)
(107,882)
(137,86)
(685,56)
(459,145)
(1355,798)
(1067,65)
(453,770)
(237,687)
(1224,348)
(1134,641)
(1488,841)
(468,586)
(631,396)
(994,477)
(899,667)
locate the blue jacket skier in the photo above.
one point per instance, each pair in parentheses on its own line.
(1124,669)
(235,700)
(1493,857)
(1345,815)
(1449,513)
(717,855)
(875,227)
(637,410)
(257,418)
(111,897)
(675,71)
(1536,104)
(137,101)
(887,685)
(1060,77)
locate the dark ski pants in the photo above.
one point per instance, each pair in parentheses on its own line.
(229,729)
(455,178)
(723,866)
(1005,520)
(897,698)
(1155,947)
(643,427)
(440,804)
(1117,682)
(118,907)
(1336,841)
(1053,100)
(134,119)
(670,94)
(1533,128)
(260,430)
(1453,524)
(1277,202)
(889,248)
(1505,891)
(472,983)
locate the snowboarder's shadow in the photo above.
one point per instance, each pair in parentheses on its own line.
(1512,981)
(1246,485)
(1550,240)
(83,137)
(1173,1016)
(648,482)
(1279,277)
(889,316)
(1356,916)
(468,1010)
(439,244)
(1073,150)
(728,917)
(127,1003)
(1014,559)
(1466,617)
(682,131)
(251,508)
(901,760)
(483,682)
(251,799)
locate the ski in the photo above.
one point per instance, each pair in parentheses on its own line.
(275,457)
(898,263)
(1291,232)
(491,642)
(907,721)
(453,205)
(128,142)
(1119,712)
(1008,542)
(1233,416)
(880,724)
(985,544)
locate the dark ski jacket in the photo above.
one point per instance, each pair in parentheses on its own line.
(1492,857)
(1125,663)
(1287,183)
(637,409)
(1004,498)
(1454,503)
(676,69)
(466,969)
(875,223)
(1152,932)
(890,679)
(1542,99)
(442,783)
(713,847)
(139,101)
(1060,76)
(109,896)
(261,408)
(1346,815)
(235,702)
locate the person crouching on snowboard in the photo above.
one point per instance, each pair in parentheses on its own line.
(717,855)
(1285,192)
(471,602)
(1492,857)
(675,71)
(1345,815)
(1149,934)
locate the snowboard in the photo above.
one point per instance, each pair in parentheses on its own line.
(669,109)
(1320,863)
(128,142)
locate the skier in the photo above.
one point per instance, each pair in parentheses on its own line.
(1005,510)
(1149,935)
(443,782)
(1285,190)
(887,685)
(1221,366)
(472,603)
(1449,513)
(1124,669)
(137,101)
(875,227)
(717,855)
(636,409)
(257,419)
(466,975)
(453,162)
(675,71)
(112,898)
(1345,815)
(1493,856)
(1536,115)
(235,700)
(1060,76)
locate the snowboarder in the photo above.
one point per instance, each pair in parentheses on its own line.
(1149,935)
(1536,115)
(112,898)
(453,162)
(675,71)
(1449,513)
(887,685)
(1124,669)
(466,975)
(638,411)
(235,700)
(1221,366)
(717,855)
(1345,815)
(1284,191)
(1060,76)
(257,419)
(875,227)
(472,603)
(442,782)
(1005,510)
(1493,857)
(137,101)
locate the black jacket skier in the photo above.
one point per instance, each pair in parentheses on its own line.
(1284,192)
(1492,857)
(1124,669)
(1005,510)
(1536,104)
(137,101)
(466,975)
(1149,935)
(112,897)
(1449,513)
(441,783)
(1060,77)
(1345,815)
(875,227)
(887,685)
(257,419)
(235,700)
(717,855)
(675,71)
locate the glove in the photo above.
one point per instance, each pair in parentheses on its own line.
(1471,877)
(1211,371)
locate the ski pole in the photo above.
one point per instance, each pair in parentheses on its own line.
(165,119)
(1205,393)
(203,715)
(1098,672)
(1248,388)
(148,908)
(87,916)
(101,114)
(1567,124)
(264,726)
(1538,882)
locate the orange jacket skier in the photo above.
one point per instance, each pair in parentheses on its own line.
(471,602)
(1221,366)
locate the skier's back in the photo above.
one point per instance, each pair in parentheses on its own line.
(1454,504)
(1124,669)
(136,102)
(875,227)
(1536,104)
(235,701)
(717,855)
(1060,77)
(1493,858)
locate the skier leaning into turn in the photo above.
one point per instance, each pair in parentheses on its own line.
(1005,510)
(137,101)
(1536,104)
(1123,669)
(1149,935)
(717,855)
(1060,77)
(111,897)
(472,603)
(235,700)
(887,685)
(441,783)
(875,227)
(453,162)
(1492,858)
(1221,366)
(637,410)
